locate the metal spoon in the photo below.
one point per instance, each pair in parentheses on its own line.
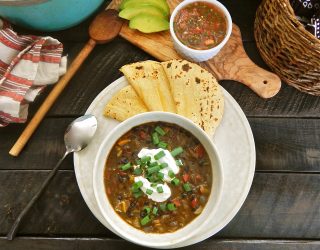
(76,137)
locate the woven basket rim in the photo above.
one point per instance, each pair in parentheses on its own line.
(290,12)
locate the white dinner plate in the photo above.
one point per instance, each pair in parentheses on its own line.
(234,141)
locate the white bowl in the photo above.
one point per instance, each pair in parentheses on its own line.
(123,229)
(193,54)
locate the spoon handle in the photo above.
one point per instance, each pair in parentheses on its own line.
(17,222)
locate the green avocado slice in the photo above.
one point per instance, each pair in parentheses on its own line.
(133,11)
(121,7)
(148,24)
(161,4)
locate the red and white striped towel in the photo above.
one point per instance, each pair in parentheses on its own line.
(27,65)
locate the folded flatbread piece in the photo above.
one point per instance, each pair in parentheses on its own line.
(124,104)
(151,84)
(196,93)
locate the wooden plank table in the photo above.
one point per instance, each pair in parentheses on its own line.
(282,210)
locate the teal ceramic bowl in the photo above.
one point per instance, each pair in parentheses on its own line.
(47,15)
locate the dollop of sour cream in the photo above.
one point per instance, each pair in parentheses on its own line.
(155,196)
(167,158)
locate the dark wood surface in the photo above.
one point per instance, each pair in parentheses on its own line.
(41,243)
(282,210)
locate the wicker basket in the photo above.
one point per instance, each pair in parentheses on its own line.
(290,51)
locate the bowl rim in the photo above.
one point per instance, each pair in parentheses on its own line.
(195,51)
(101,196)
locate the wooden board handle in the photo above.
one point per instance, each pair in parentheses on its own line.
(263,83)
(233,63)
(51,98)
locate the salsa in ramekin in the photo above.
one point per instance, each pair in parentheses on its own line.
(200,25)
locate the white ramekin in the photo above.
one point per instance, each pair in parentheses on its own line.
(193,54)
(117,224)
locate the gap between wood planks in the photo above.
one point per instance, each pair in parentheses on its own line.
(217,239)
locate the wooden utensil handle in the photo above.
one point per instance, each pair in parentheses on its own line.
(51,98)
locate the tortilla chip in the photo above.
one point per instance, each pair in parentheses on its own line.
(124,104)
(196,93)
(151,84)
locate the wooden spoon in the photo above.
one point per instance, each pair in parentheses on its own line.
(105,27)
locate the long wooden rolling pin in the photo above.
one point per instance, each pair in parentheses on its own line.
(103,29)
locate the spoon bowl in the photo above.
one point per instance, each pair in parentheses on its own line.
(80,132)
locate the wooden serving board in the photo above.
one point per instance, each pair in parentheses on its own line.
(231,63)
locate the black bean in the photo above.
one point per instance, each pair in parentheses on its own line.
(133,204)
(123,178)
(135,153)
(186,168)
(143,213)
(123,160)
(129,213)
(146,203)
(119,197)
(192,196)
(204,163)
(184,195)
(136,129)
